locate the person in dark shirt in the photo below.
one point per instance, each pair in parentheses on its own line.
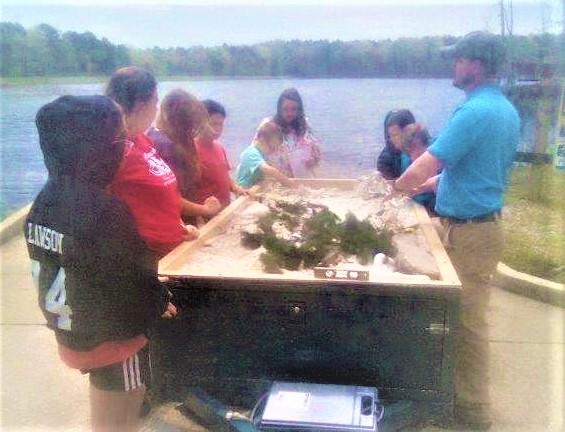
(404,140)
(389,161)
(97,279)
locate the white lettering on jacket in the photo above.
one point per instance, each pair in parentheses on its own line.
(56,296)
(45,238)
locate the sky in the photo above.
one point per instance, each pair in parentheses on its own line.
(170,23)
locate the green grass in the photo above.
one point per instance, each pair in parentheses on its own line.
(534,222)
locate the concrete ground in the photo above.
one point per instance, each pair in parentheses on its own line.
(39,394)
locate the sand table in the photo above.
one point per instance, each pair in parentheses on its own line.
(225,256)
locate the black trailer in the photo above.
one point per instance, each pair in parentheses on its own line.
(235,335)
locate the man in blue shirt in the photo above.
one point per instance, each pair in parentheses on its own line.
(475,150)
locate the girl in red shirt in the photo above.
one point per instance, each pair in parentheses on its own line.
(144,181)
(149,188)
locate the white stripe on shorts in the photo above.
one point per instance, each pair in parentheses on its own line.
(126,377)
(132,374)
(137,371)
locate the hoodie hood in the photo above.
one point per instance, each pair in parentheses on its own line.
(81,138)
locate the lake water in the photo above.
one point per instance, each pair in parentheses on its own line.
(346,114)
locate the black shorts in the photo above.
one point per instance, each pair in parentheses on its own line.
(125,376)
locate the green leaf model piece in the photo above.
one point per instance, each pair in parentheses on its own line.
(361,239)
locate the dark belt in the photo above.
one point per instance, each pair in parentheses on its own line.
(489,217)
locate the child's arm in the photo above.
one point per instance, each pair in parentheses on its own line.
(210,207)
(190,232)
(315,152)
(237,189)
(271,171)
(430,185)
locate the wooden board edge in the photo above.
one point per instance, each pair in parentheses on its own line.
(446,269)
(316,281)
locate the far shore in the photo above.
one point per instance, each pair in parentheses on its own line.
(93,79)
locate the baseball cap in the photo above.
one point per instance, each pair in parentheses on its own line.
(479,45)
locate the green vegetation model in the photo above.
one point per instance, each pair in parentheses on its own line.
(304,235)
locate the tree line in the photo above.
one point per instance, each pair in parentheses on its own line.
(45,51)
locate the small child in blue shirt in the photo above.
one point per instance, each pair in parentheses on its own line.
(415,140)
(253,167)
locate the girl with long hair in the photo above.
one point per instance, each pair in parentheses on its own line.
(300,152)
(181,117)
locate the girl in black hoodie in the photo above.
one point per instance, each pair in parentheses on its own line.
(97,280)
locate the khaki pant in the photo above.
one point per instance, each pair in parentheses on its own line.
(474,250)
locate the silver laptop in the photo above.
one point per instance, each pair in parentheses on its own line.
(321,407)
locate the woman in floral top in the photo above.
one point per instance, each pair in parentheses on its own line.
(300,152)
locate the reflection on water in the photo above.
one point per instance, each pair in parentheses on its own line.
(346,114)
